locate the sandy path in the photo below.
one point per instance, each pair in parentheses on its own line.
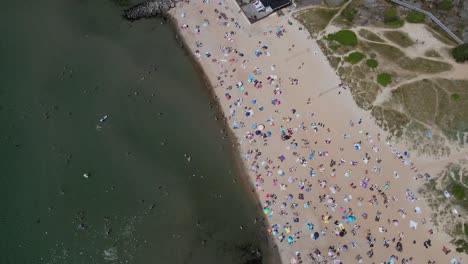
(335,117)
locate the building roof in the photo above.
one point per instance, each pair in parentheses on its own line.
(275,4)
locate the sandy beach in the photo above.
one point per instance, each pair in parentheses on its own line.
(332,188)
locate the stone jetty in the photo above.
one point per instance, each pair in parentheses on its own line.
(148,9)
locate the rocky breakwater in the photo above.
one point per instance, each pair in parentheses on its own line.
(148,9)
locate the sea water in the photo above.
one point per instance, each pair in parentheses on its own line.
(154,182)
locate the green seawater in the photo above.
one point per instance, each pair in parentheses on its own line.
(66,64)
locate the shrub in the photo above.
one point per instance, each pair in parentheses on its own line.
(344,37)
(458,192)
(446,5)
(415,17)
(355,57)
(371,63)
(349,14)
(455,97)
(391,17)
(384,79)
(460,53)
(334,47)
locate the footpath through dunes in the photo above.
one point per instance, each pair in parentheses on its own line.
(331,187)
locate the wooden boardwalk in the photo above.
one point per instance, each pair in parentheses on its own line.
(431,16)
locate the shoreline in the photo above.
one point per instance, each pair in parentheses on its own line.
(240,171)
(287,251)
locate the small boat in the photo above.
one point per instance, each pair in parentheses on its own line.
(104,118)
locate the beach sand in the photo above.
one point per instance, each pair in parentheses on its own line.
(309,151)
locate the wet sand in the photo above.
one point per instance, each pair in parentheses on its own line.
(318,163)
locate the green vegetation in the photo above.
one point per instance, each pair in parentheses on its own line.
(334,47)
(455,97)
(396,56)
(445,5)
(462,246)
(370,35)
(432,53)
(349,14)
(423,65)
(458,192)
(354,57)
(460,53)
(315,19)
(441,36)
(415,17)
(384,79)
(391,18)
(372,63)
(344,37)
(401,38)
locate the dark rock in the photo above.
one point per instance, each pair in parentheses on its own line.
(148,9)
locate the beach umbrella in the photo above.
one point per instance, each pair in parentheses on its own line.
(290,196)
(258,132)
(351,218)
(268,134)
(253,101)
(290,239)
(261,127)
(357,146)
(342,234)
(282,158)
(280,172)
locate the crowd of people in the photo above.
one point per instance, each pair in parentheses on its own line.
(328,192)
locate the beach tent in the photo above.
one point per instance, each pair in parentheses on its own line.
(413,224)
(311,155)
